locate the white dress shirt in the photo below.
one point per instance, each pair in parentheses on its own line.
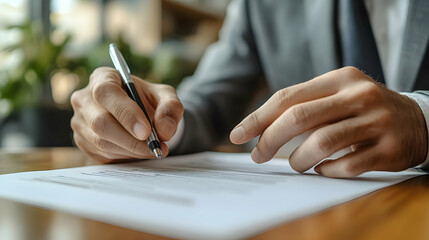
(388,19)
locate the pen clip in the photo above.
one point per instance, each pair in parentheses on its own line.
(120,64)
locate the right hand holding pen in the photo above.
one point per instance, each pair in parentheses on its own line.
(108,125)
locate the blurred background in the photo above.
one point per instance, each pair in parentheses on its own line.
(48,49)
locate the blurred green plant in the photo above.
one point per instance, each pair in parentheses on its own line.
(28,84)
(27,103)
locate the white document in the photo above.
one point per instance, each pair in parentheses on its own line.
(200,196)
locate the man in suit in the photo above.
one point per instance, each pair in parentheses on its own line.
(341,45)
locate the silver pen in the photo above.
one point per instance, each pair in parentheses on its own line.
(122,67)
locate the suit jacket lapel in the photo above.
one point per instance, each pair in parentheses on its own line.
(415,42)
(322,33)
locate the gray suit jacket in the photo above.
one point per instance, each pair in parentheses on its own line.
(280,42)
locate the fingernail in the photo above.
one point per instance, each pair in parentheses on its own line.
(317,169)
(237,134)
(167,125)
(139,131)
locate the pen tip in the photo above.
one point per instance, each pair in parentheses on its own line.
(158,153)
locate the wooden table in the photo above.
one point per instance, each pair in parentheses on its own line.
(397,212)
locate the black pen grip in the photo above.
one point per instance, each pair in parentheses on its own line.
(132,93)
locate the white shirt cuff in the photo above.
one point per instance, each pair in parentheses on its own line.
(178,135)
(422,99)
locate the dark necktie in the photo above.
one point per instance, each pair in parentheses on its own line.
(358,44)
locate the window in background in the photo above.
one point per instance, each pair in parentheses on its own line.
(137,21)
(93,22)
(79,18)
(11,13)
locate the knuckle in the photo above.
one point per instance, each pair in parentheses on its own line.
(323,143)
(174,110)
(95,74)
(100,143)
(77,141)
(351,72)
(370,95)
(168,88)
(99,123)
(134,146)
(101,71)
(254,121)
(366,166)
(390,148)
(350,170)
(263,144)
(385,118)
(282,96)
(350,69)
(101,90)
(175,104)
(267,146)
(75,99)
(121,112)
(298,115)
(373,90)
(380,123)
(74,123)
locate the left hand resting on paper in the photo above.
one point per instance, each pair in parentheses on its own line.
(385,130)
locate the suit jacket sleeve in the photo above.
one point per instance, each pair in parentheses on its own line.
(216,96)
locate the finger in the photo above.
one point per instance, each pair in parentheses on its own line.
(108,93)
(296,120)
(105,74)
(327,140)
(112,151)
(350,165)
(106,127)
(115,134)
(254,124)
(89,140)
(109,148)
(95,153)
(169,109)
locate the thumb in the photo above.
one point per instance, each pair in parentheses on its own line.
(168,109)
